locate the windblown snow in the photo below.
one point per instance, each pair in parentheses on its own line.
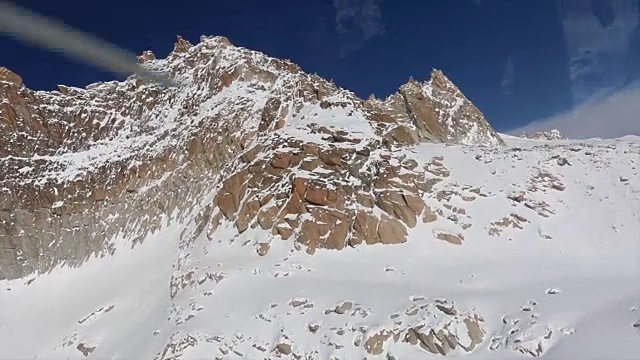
(549,267)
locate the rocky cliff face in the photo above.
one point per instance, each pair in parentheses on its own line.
(258,141)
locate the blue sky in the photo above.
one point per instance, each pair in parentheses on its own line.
(512,58)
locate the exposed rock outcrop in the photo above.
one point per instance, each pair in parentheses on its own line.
(437,328)
(440,112)
(10,77)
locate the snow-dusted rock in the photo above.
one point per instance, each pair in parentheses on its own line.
(437,327)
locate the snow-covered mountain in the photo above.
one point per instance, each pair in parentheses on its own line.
(256,211)
(553,134)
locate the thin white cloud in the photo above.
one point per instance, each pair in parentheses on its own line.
(506,83)
(597,50)
(30,27)
(614,116)
(358,21)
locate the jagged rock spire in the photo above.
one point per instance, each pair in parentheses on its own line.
(182,45)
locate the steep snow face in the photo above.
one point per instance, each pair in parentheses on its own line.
(541,259)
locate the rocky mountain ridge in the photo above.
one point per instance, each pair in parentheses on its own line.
(268,144)
(553,134)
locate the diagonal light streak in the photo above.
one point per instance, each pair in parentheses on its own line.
(27,26)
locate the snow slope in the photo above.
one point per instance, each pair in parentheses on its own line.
(564,286)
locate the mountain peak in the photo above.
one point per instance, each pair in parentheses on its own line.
(442,113)
(182,45)
(217,38)
(438,78)
(146,56)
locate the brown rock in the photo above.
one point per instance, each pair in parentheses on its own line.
(283,349)
(328,229)
(343,307)
(233,190)
(338,234)
(195,148)
(9,76)
(333,158)
(247,213)
(450,238)
(476,334)
(415,203)
(382,117)
(251,154)
(310,165)
(374,345)
(85,350)
(146,56)
(296,205)
(391,231)
(280,162)
(429,215)
(300,186)
(320,196)
(394,203)
(181,45)
(267,217)
(365,200)
(283,230)
(403,135)
(365,228)
(310,148)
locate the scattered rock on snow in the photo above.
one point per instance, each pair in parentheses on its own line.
(450,238)
(553,291)
(313,327)
(343,307)
(283,349)
(437,327)
(262,249)
(85,350)
(526,333)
